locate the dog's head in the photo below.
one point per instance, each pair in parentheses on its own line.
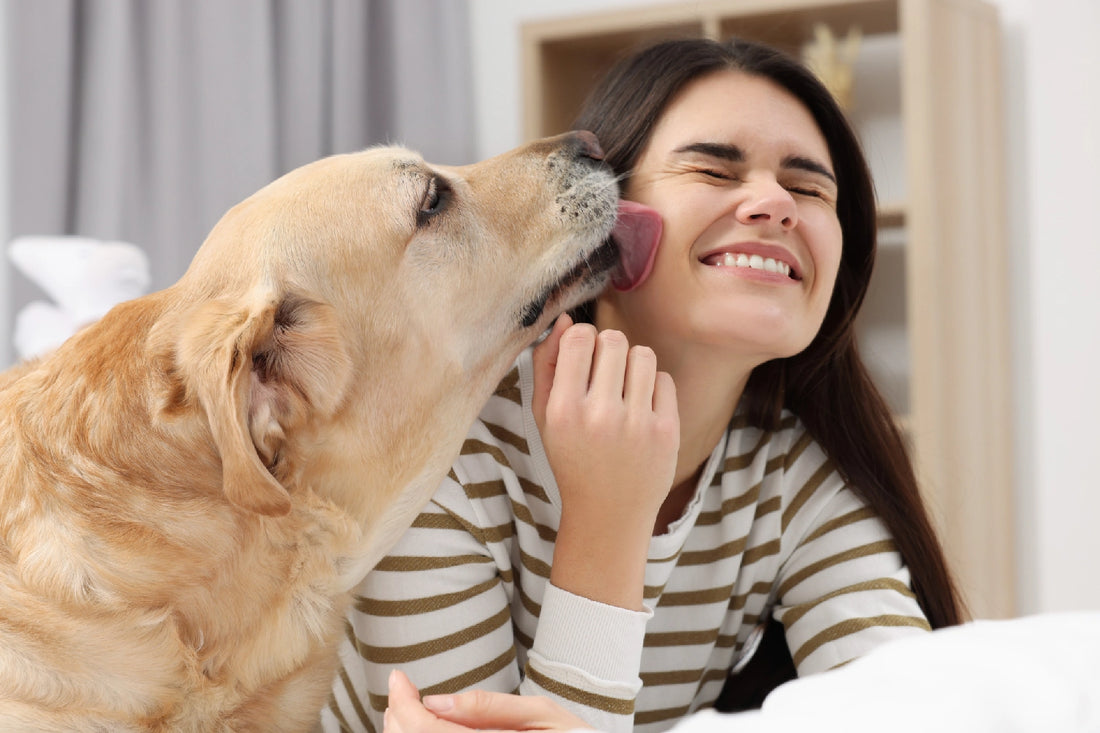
(346,322)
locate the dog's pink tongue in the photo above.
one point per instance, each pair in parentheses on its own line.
(637,232)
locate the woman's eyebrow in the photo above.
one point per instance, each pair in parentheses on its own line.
(722,151)
(734,154)
(810,165)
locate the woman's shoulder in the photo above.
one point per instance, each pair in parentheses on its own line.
(784,446)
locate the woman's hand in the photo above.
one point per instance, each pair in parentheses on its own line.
(609,423)
(468,711)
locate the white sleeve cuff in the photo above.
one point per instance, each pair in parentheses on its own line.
(605,642)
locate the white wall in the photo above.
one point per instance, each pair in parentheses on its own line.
(1052,111)
(497,62)
(1052,58)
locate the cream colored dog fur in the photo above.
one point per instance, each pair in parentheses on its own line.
(190,486)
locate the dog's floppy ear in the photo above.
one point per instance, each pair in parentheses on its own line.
(260,370)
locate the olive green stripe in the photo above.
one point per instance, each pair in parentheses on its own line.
(522,638)
(713,674)
(769,506)
(732,505)
(644,717)
(473,447)
(680,638)
(432,647)
(697,597)
(804,494)
(852,626)
(737,503)
(674,677)
(843,520)
(425,604)
(497,534)
(419,563)
(535,609)
(504,435)
(791,617)
(523,514)
(729,506)
(447,520)
(725,641)
(508,388)
(485,489)
(535,565)
(356,704)
(775,463)
(854,553)
(472,677)
(759,552)
(805,440)
(737,463)
(738,602)
(438,520)
(722,552)
(532,489)
(613,705)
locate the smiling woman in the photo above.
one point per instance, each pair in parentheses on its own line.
(698,492)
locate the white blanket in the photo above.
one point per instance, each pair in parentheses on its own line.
(1037,674)
(83,277)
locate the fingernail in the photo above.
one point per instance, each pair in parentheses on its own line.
(439,703)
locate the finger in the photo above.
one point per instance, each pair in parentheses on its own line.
(406,714)
(574,364)
(664,398)
(390,723)
(641,373)
(401,688)
(544,361)
(485,710)
(609,364)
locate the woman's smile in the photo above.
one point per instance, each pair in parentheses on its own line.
(756,261)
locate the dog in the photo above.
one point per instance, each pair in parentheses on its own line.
(190,486)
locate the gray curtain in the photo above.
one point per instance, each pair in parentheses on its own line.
(145,120)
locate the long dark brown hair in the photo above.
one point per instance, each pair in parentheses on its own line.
(827,384)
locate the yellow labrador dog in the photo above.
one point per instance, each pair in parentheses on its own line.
(190,486)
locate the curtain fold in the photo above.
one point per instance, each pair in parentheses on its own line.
(144,120)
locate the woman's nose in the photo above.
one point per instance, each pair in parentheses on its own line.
(767,202)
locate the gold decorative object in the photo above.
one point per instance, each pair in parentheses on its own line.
(832,59)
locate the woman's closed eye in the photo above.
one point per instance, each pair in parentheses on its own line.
(717,174)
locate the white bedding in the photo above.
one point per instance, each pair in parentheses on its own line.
(1036,674)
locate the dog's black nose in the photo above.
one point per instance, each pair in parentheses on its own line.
(586,145)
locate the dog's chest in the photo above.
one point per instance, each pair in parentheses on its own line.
(267,629)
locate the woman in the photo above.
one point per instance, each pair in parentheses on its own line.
(626,521)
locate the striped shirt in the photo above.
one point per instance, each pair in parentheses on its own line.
(463,600)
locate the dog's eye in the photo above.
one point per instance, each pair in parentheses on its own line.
(435,199)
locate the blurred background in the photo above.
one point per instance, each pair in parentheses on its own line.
(142,121)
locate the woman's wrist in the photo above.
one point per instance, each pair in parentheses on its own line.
(602,561)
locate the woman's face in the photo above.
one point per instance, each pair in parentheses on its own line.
(743,180)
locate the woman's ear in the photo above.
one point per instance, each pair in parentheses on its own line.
(261,369)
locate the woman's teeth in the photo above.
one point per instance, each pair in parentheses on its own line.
(756,262)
